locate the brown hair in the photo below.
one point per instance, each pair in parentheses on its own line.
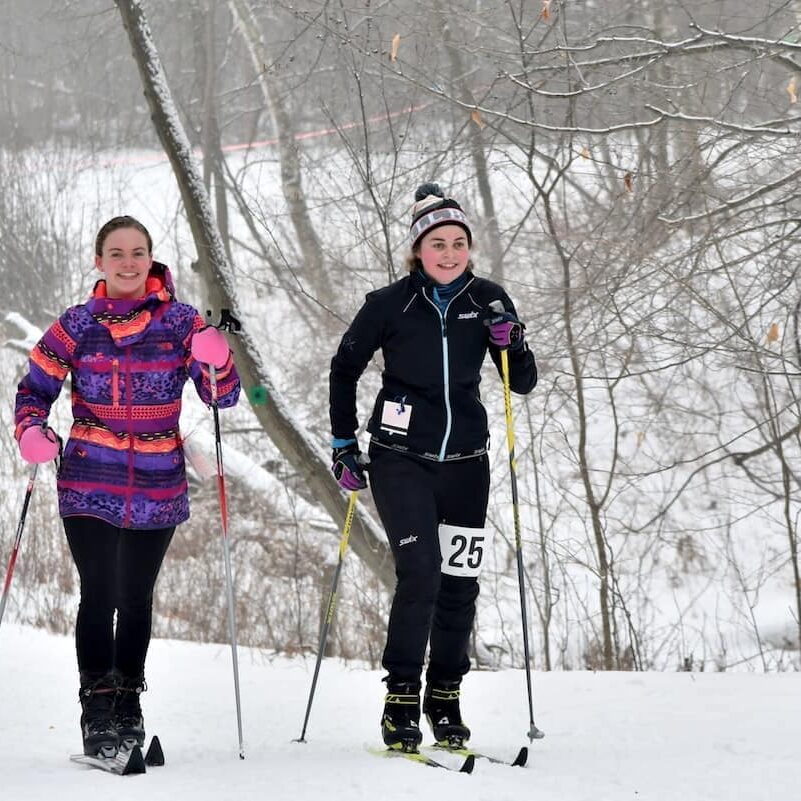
(116,223)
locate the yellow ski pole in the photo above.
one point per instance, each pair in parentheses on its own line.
(329,614)
(533,733)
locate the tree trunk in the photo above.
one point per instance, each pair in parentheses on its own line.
(582,451)
(474,137)
(205,54)
(291,180)
(367,540)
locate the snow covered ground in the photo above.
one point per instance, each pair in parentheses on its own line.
(644,736)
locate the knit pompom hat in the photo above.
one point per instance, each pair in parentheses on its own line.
(432,209)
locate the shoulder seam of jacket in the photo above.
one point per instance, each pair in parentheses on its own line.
(473,301)
(79,339)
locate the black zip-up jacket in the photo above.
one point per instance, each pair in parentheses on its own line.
(429,404)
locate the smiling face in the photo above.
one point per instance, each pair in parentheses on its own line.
(445,253)
(125,262)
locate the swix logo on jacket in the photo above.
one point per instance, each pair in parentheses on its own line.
(432,360)
(129,361)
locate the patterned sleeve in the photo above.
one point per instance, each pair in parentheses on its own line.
(48,365)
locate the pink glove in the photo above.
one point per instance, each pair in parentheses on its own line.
(37,445)
(210,347)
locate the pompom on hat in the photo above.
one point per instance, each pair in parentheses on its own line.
(432,209)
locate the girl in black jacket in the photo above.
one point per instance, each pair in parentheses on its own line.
(428,463)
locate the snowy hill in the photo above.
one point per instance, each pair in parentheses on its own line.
(610,736)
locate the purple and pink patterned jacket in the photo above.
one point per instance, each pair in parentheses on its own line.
(129,361)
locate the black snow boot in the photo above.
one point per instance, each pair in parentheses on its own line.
(97,717)
(441,708)
(400,723)
(128,718)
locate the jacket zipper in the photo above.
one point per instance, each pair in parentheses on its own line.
(446,373)
(129,416)
(115,382)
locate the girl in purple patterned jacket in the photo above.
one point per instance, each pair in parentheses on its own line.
(121,483)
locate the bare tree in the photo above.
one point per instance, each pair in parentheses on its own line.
(215,270)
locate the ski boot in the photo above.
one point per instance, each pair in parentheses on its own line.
(441,708)
(400,723)
(97,716)
(128,719)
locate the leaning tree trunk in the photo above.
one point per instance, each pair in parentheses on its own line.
(366,538)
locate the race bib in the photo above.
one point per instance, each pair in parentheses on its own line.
(463,549)
(395,417)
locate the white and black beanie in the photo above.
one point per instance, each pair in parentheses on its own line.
(432,209)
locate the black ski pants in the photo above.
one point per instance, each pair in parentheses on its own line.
(118,570)
(413,496)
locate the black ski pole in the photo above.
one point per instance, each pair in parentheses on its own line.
(329,614)
(15,550)
(228,323)
(533,733)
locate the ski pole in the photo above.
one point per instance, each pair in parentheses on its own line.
(18,539)
(329,615)
(229,323)
(533,733)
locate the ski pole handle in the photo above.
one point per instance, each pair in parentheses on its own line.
(227,321)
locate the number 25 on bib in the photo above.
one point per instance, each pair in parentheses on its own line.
(463,549)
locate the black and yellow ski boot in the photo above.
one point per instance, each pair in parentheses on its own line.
(441,708)
(400,723)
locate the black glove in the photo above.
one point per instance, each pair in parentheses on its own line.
(348,465)
(505,330)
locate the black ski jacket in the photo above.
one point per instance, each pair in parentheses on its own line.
(429,404)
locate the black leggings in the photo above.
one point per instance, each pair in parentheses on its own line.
(413,496)
(118,570)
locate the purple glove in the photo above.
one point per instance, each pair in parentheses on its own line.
(505,330)
(210,347)
(348,466)
(39,444)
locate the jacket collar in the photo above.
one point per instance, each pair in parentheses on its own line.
(422,283)
(127,319)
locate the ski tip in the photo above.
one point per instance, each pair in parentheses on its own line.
(135,763)
(522,757)
(468,764)
(155,755)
